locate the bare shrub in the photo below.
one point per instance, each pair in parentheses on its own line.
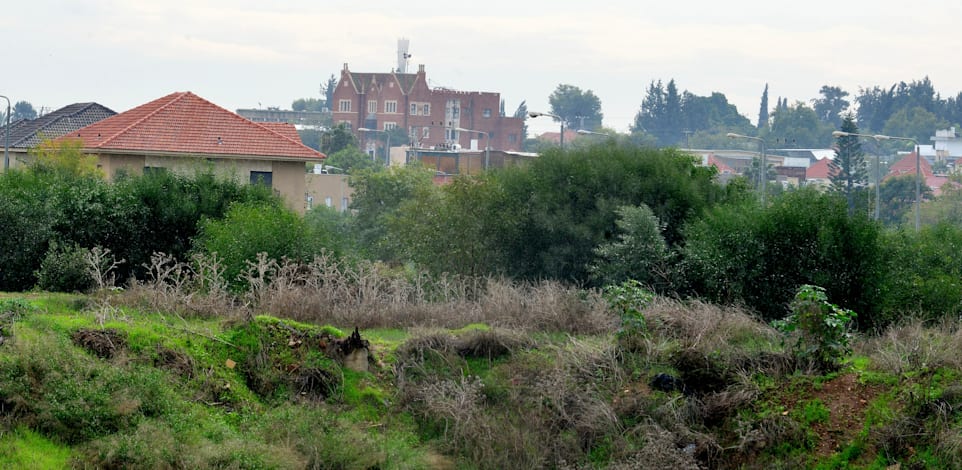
(491,344)
(545,306)
(196,289)
(912,345)
(659,450)
(705,327)
(101,266)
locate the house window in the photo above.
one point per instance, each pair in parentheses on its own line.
(486,113)
(425,132)
(513,138)
(154,170)
(372,106)
(343,204)
(390,107)
(414,109)
(344,106)
(262,177)
(328,202)
(426,109)
(389,126)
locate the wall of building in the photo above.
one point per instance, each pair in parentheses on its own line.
(328,190)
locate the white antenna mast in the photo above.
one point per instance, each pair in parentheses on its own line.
(402,55)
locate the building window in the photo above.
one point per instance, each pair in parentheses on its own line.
(426,109)
(154,170)
(328,202)
(390,126)
(343,204)
(344,106)
(486,113)
(262,177)
(390,107)
(372,106)
(425,132)
(513,138)
(414,109)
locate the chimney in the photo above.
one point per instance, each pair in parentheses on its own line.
(345,66)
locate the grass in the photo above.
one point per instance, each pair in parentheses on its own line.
(515,376)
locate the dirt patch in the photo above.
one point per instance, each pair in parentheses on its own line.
(175,362)
(846,400)
(105,343)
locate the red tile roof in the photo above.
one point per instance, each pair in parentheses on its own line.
(183,122)
(285,129)
(821,169)
(719,165)
(906,166)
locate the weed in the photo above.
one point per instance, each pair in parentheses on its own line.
(823,328)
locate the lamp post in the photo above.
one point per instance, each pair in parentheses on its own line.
(763,174)
(387,150)
(6,145)
(561,139)
(918,174)
(487,145)
(878,177)
(587,132)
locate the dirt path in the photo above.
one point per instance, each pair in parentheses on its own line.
(846,400)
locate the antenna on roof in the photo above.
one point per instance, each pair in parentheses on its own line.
(402,55)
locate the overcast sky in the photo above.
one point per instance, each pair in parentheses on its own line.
(250,53)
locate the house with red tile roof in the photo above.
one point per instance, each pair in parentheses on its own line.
(906,166)
(819,173)
(180,131)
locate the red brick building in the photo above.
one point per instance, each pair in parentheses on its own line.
(385,101)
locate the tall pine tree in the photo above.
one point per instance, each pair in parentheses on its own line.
(848,171)
(763,110)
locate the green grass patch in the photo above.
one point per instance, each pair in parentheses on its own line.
(23,448)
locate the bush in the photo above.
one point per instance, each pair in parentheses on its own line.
(64,269)
(760,256)
(823,328)
(252,228)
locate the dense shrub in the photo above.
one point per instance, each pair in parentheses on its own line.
(923,273)
(65,269)
(742,253)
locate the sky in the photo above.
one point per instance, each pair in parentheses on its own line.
(257,53)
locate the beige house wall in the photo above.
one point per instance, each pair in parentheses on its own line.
(328,190)
(287,176)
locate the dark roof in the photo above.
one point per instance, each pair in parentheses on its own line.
(29,133)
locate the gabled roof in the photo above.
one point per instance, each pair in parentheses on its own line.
(29,133)
(906,166)
(722,168)
(183,122)
(285,129)
(362,80)
(821,169)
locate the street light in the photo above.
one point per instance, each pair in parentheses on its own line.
(878,176)
(487,145)
(387,151)
(763,174)
(918,174)
(6,145)
(587,132)
(561,140)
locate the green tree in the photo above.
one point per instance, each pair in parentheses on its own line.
(578,109)
(638,252)
(337,138)
(763,110)
(377,197)
(797,127)
(565,203)
(308,104)
(22,110)
(522,113)
(916,123)
(327,89)
(251,228)
(743,253)
(848,171)
(352,158)
(831,105)
(897,198)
